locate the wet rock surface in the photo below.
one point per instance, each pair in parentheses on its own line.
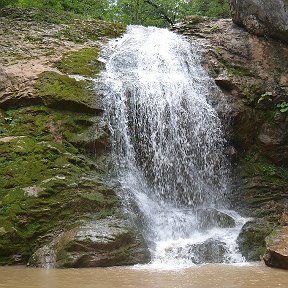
(100,243)
(209,251)
(251,71)
(251,240)
(208,218)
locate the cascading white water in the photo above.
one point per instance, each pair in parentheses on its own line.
(168,147)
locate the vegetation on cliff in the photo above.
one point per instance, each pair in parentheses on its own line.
(53,146)
(145,12)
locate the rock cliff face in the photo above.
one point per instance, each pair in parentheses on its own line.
(55,206)
(252,73)
(262,17)
(54,203)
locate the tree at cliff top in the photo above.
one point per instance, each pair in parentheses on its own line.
(167,12)
(145,12)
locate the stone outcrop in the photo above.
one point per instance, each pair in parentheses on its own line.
(209,218)
(277,249)
(251,71)
(210,251)
(251,240)
(100,243)
(262,17)
(54,202)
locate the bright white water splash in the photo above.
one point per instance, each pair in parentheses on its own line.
(168,148)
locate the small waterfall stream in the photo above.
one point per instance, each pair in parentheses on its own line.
(168,148)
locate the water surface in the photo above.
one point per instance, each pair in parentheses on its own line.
(212,275)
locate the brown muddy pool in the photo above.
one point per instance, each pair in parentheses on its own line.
(254,275)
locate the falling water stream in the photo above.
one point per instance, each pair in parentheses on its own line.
(168,148)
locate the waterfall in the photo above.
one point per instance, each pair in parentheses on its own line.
(168,147)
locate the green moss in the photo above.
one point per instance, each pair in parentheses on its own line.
(63,179)
(80,31)
(240,71)
(236,68)
(254,164)
(63,92)
(194,19)
(37,122)
(95,29)
(252,239)
(83,62)
(94,196)
(48,184)
(103,213)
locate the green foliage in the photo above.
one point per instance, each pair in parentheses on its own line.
(97,9)
(4,3)
(211,8)
(283,107)
(145,12)
(167,12)
(149,12)
(265,97)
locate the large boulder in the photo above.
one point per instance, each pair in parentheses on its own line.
(277,249)
(262,17)
(100,243)
(209,251)
(209,218)
(251,240)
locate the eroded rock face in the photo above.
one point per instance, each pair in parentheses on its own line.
(100,243)
(54,149)
(277,249)
(252,73)
(273,139)
(262,17)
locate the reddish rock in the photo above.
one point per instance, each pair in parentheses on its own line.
(277,249)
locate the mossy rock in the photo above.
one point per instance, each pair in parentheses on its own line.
(50,184)
(46,124)
(47,184)
(78,28)
(58,91)
(81,31)
(83,62)
(62,92)
(255,164)
(98,243)
(251,239)
(263,186)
